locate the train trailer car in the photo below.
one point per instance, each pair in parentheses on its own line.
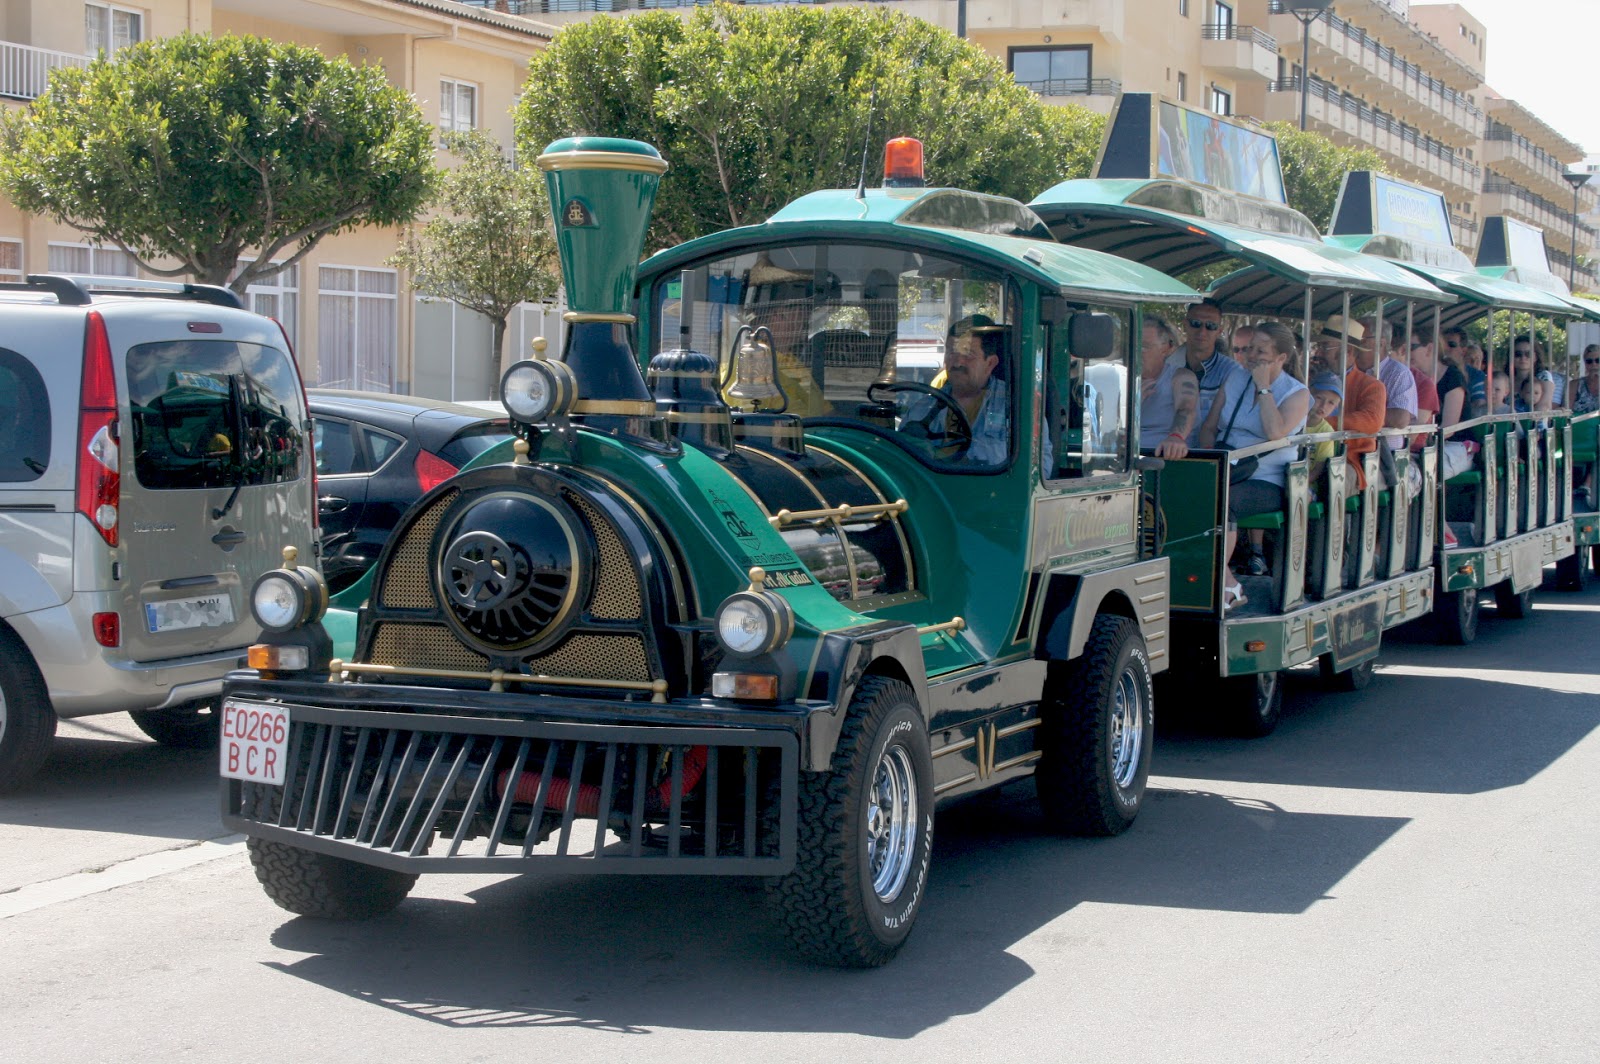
(746,597)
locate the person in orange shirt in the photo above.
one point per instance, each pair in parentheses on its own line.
(1365,398)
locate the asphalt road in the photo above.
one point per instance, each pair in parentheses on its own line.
(1409,874)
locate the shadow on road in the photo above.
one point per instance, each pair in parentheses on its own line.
(635,954)
(99,780)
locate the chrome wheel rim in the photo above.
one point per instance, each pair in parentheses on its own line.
(892,822)
(1127,729)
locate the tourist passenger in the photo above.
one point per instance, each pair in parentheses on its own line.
(1326,395)
(1586,396)
(1206,358)
(1364,402)
(1452,388)
(1170,393)
(1239,344)
(1532,384)
(1399,387)
(1258,407)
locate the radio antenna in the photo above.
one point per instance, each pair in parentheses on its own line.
(866,145)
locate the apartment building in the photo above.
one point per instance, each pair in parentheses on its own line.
(353,319)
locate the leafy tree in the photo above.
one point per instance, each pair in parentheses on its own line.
(1313,167)
(755,106)
(201,149)
(491,246)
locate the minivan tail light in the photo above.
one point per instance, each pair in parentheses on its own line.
(107,629)
(99,488)
(432,471)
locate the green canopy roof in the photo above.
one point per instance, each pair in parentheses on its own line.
(1281,260)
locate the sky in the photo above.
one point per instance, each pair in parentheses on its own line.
(1541,53)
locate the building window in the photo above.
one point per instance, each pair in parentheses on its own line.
(278,297)
(458,105)
(1052,71)
(1223,16)
(1183,87)
(10,260)
(84,259)
(357,327)
(1221,101)
(107,28)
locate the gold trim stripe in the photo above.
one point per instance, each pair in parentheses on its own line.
(582,317)
(688,418)
(602,160)
(626,407)
(497,677)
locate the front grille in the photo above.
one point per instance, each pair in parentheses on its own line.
(435,793)
(407,583)
(601,657)
(616,590)
(428,646)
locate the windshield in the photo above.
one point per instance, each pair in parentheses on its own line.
(214,413)
(900,342)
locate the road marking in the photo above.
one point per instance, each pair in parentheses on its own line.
(134,870)
(1564,682)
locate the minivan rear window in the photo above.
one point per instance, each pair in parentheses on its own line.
(24,420)
(214,413)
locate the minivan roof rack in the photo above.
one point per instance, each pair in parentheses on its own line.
(74,291)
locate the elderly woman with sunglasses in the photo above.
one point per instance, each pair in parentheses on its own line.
(1260,406)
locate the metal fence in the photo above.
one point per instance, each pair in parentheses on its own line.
(25,70)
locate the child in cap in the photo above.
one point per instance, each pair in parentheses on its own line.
(1327,392)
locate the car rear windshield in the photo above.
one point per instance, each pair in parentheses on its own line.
(470,443)
(214,413)
(24,420)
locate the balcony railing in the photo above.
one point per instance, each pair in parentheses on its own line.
(1383,53)
(1366,113)
(1535,203)
(1500,132)
(25,70)
(1227,31)
(1074,87)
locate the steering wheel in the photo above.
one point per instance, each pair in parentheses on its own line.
(957,436)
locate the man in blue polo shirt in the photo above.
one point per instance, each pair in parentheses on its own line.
(1206,357)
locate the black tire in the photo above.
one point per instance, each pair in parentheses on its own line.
(1097,732)
(190,726)
(850,902)
(1572,572)
(1355,678)
(315,884)
(27,719)
(1455,616)
(1509,604)
(1252,705)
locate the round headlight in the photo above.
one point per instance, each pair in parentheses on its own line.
(278,601)
(754,622)
(286,598)
(537,391)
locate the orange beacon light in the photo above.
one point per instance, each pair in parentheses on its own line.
(902,163)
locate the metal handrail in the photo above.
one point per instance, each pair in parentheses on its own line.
(1384,53)
(1230,31)
(25,70)
(1323,91)
(1073,86)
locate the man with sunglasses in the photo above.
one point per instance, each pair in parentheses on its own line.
(1209,360)
(1457,354)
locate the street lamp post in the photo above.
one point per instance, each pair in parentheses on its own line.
(961,19)
(1577,181)
(1307,11)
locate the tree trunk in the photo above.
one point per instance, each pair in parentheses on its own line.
(497,356)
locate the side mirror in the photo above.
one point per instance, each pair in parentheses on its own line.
(1091,335)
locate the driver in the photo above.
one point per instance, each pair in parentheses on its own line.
(973,349)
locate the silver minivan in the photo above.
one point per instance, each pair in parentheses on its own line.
(154,460)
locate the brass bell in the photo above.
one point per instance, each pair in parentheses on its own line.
(755,371)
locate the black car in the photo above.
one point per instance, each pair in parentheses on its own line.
(376,455)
